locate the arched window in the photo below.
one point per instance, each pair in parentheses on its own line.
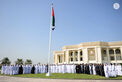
(117,51)
(81,53)
(111,51)
(104,54)
(104,51)
(76,53)
(59,59)
(76,56)
(81,56)
(118,56)
(71,54)
(81,59)
(71,59)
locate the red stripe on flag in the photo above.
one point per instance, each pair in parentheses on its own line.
(52,12)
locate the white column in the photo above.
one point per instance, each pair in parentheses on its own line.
(108,56)
(62,58)
(115,56)
(96,55)
(85,55)
(58,58)
(99,55)
(73,56)
(55,61)
(67,56)
(78,56)
(121,51)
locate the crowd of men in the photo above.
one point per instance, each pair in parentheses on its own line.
(107,70)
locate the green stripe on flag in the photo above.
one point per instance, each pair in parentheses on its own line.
(53,21)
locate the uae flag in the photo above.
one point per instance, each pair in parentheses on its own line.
(53,19)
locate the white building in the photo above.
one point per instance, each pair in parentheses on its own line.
(89,52)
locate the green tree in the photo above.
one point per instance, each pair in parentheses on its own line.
(5,61)
(28,61)
(19,61)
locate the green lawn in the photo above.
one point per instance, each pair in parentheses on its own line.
(0,72)
(65,76)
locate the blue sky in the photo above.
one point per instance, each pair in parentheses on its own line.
(24,25)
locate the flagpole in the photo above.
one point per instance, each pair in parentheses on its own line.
(49,53)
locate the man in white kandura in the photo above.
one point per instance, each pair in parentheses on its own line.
(94,70)
(3,69)
(119,69)
(113,70)
(106,70)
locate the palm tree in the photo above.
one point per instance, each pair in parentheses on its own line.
(19,61)
(28,61)
(6,61)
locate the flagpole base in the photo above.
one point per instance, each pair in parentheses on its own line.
(48,74)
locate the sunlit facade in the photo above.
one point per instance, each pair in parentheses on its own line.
(89,52)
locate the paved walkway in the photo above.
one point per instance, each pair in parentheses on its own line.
(19,79)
